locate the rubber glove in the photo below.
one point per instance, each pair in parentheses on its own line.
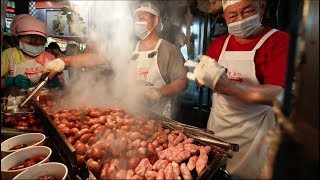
(207,72)
(19,81)
(54,67)
(55,82)
(151,96)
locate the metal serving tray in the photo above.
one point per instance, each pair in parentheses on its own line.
(221,150)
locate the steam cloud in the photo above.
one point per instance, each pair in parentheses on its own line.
(112,36)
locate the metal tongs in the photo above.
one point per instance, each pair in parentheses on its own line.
(202,135)
(42,82)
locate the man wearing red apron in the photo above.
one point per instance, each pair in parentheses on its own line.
(249,74)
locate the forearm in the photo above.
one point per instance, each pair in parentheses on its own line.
(84,60)
(256,94)
(174,88)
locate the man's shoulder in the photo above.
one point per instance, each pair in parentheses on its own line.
(278,38)
(281,34)
(10,50)
(168,45)
(277,34)
(220,39)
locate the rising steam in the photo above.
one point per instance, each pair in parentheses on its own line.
(111,33)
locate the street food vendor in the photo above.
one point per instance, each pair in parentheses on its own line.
(160,67)
(246,70)
(23,66)
(160,70)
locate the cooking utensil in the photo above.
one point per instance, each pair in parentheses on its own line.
(203,139)
(34,91)
(203,134)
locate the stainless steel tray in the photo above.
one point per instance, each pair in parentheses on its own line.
(221,150)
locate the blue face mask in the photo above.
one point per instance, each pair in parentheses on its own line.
(31,50)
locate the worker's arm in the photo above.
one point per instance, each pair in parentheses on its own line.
(174,88)
(84,60)
(257,94)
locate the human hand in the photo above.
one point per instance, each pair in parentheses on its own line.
(207,72)
(19,81)
(54,67)
(151,96)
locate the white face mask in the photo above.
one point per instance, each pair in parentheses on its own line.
(141,30)
(31,50)
(245,27)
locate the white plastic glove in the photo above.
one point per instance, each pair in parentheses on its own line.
(207,72)
(151,96)
(54,67)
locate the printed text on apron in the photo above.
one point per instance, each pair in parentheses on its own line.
(148,76)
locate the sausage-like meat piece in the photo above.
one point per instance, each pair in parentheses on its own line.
(183,156)
(80,148)
(158,149)
(168,172)
(135,135)
(202,160)
(96,153)
(155,143)
(192,162)
(151,148)
(113,169)
(192,148)
(179,139)
(188,141)
(151,174)
(144,144)
(185,171)
(133,162)
(160,164)
(160,174)
(142,167)
(208,149)
(94,114)
(130,173)
(175,169)
(136,143)
(162,138)
(167,131)
(171,138)
(81,132)
(143,151)
(93,165)
(94,127)
(85,138)
(122,174)
(104,171)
